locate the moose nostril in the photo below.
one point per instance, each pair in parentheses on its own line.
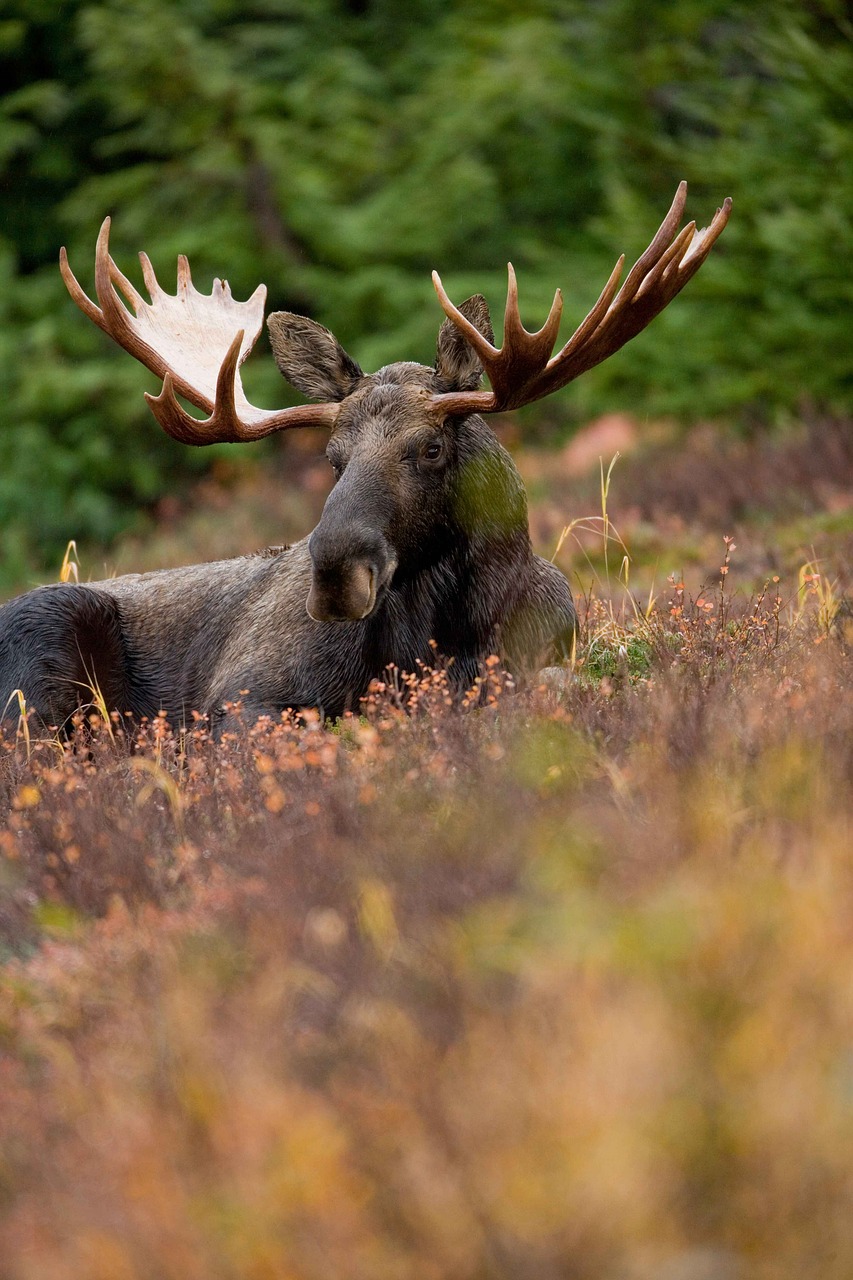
(347,592)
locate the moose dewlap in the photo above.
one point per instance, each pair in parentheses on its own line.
(423,546)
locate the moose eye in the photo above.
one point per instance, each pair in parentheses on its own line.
(433,451)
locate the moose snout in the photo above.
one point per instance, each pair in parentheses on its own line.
(343,595)
(347,579)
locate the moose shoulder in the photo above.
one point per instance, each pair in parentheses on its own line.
(422,547)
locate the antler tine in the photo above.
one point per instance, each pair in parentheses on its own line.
(705,239)
(515,333)
(72,284)
(674,255)
(592,320)
(522,372)
(481,345)
(522,354)
(660,243)
(185,280)
(131,293)
(152,284)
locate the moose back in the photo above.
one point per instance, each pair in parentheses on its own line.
(422,548)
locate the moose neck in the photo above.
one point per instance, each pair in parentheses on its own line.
(470,575)
(488,503)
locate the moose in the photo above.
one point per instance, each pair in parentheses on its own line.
(422,549)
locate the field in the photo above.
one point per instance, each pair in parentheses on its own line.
(554,985)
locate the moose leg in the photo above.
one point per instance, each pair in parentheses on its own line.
(62,647)
(540,630)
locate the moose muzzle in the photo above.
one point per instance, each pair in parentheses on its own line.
(349,572)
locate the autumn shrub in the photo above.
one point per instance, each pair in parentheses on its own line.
(554,985)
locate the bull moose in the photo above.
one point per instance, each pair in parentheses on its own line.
(422,547)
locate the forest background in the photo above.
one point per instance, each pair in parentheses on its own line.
(340,151)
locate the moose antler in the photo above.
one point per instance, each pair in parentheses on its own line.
(523,370)
(195,342)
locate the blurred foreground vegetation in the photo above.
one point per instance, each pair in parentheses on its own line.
(340,151)
(555,987)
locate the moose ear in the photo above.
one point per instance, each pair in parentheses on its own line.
(311,358)
(456,362)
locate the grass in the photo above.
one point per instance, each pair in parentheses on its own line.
(558,985)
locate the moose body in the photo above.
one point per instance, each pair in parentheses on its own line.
(422,548)
(202,637)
